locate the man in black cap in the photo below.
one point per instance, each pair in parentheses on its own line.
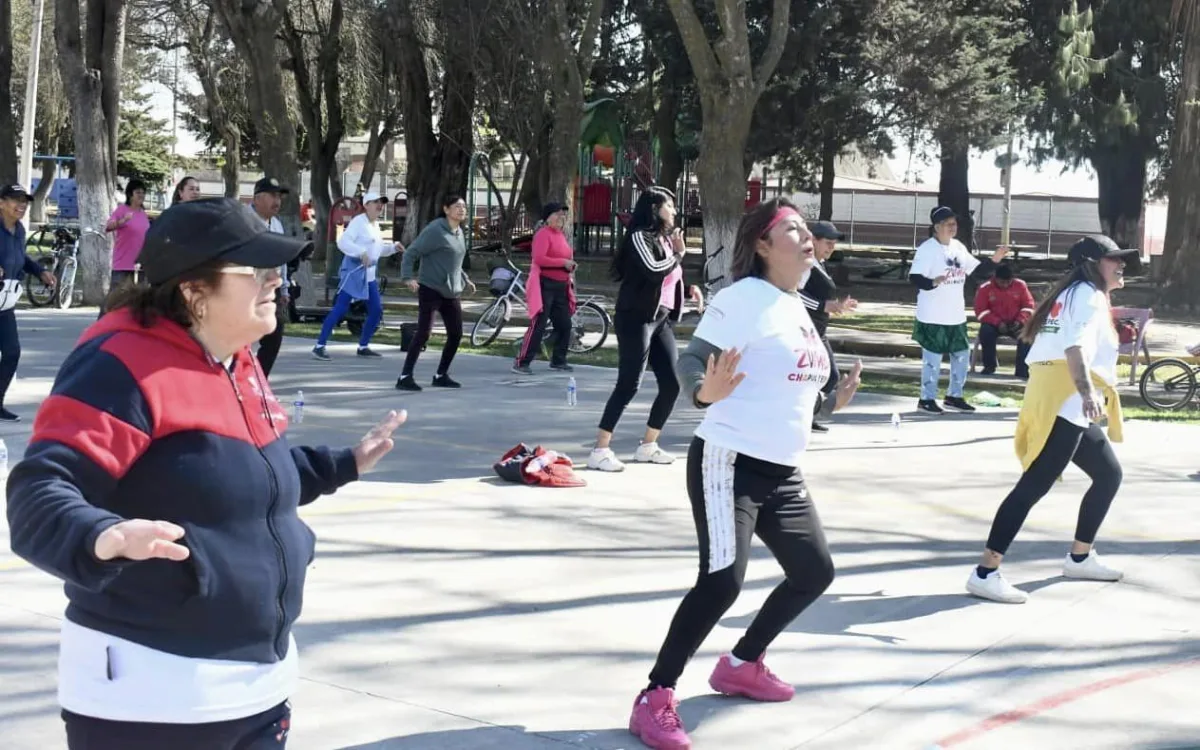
(14,264)
(268,198)
(819,292)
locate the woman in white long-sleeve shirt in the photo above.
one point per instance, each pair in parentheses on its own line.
(363,245)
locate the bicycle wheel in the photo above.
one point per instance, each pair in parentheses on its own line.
(65,294)
(38,293)
(489,325)
(589,328)
(1168,384)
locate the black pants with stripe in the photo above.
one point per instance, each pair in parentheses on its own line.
(734,497)
(264,731)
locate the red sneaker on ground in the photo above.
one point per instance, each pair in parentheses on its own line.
(655,721)
(751,680)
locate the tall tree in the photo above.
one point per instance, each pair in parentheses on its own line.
(8,125)
(1180,274)
(90,63)
(571,62)
(730,83)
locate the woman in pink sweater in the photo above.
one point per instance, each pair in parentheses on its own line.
(551,291)
(128,225)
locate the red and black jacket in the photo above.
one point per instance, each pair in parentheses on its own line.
(143,423)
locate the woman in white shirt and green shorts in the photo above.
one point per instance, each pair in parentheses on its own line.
(757,365)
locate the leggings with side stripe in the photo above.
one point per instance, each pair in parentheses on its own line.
(734,497)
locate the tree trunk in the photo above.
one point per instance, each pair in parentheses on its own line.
(564,145)
(954,190)
(8,126)
(1181,249)
(572,68)
(37,208)
(231,169)
(830,148)
(721,171)
(1121,172)
(670,163)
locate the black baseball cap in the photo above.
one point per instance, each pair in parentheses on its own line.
(269,185)
(1094,248)
(13,191)
(826,230)
(940,214)
(188,235)
(552,208)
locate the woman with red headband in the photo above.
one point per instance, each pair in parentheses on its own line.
(756,365)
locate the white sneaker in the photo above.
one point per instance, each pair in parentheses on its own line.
(995,588)
(603,459)
(1091,569)
(650,453)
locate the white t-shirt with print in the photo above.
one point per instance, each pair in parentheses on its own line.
(1081,316)
(944,305)
(769,415)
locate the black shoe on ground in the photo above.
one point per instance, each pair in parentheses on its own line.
(319,353)
(1021,375)
(406,383)
(959,403)
(8,416)
(988,371)
(366,351)
(522,369)
(820,427)
(564,367)
(445,381)
(929,405)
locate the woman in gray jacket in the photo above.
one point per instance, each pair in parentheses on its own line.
(438,252)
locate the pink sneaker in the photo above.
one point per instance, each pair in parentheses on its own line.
(751,680)
(655,722)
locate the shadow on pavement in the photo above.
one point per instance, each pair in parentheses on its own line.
(503,738)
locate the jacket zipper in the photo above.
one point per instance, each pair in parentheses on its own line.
(280,611)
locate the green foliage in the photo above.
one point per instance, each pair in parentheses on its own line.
(143,142)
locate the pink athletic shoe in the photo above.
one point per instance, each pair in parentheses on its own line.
(655,722)
(751,680)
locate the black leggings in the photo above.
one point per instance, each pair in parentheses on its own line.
(269,345)
(1090,450)
(430,301)
(637,344)
(734,496)
(265,731)
(10,351)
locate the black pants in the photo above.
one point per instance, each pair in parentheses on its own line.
(10,351)
(430,301)
(555,307)
(268,346)
(1090,450)
(988,336)
(267,730)
(733,497)
(637,344)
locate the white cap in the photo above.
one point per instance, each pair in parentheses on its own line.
(373,196)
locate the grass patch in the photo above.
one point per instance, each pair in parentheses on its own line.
(902,324)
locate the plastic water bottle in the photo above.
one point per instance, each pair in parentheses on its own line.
(895,426)
(298,408)
(3,459)
(572,392)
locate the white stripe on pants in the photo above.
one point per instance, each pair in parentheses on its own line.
(718,506)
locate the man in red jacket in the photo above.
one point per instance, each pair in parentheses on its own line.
(1002,306)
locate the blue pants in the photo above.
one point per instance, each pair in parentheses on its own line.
(931,365)
(341,306)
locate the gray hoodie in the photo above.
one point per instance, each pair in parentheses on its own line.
(438,253)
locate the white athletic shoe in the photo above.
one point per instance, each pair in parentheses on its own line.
(1091,569)
(650,453)
(995,588)
(603,459)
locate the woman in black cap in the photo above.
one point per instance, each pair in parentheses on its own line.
(1072,378)
(551,291)
(160,486)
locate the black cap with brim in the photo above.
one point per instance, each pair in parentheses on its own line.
(1096,247)
(552,208)
(940,214)
(13,191)
(269,185)
(189,235)
(826,230)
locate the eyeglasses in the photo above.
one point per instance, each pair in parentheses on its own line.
(261,275)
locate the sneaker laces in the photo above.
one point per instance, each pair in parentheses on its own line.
(667,717)
(763,669)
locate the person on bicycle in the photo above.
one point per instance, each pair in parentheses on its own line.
(128,224)
(14,264)
(1072,386)
(363,245)
(649,266)
(551,291)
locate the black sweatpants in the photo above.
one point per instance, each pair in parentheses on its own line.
(1090,450)
(556,308)
(989,336)
(734,496)
(265,731)
(429,301)
(10,351)
(637,344)
(269,345)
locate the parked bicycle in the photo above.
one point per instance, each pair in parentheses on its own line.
(1171,384)
(589,325)
(63,262)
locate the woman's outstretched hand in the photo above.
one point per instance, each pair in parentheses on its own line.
(140,539)
(378,442)
(720,376)
(848,387)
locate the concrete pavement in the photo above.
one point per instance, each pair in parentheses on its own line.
(447,610)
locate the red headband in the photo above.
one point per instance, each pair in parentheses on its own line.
(784,212)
